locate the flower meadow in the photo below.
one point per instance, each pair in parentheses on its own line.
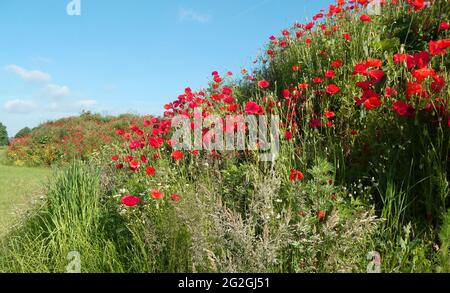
(362,101)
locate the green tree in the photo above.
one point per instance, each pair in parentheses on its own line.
(3,135)
(23,132)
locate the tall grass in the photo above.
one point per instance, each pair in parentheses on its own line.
(71,219)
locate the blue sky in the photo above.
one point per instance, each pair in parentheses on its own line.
(126,56)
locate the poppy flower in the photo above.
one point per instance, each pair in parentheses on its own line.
(346,36)
(156,194)
(333,89)
(439,47)
(114,158)
(296,68)
(177,155)
(150,171)
(288,135)
(417,4)
(296,175)
(263,84)
(134,165)
(315,123)
(372,103)
(389,92)
(403,109)
(317,80)
(286,93)
(321,215)
(421,74)
(130,200)
(175,197)
(365,18)
(329,74)
(252,108)
(444,26)
(337,63)
(329,114)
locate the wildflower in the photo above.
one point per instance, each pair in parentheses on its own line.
(372,103)
(365,18)
(333,89)
(114,158)
(263,84)
(403,109)
(130,200)
(321,215)
(150,171)
(296,175)
(288,135)
(252,108)
(337,63)
(346,36)
(439,47)
(177,155)
(134,165)
(175,197)
(444,26)
(156,194)
(329,114)
(329,74)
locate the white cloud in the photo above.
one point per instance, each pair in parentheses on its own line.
(85,104)
(71,106)
(19,106)
(56,92)
(188,14)
(29,75)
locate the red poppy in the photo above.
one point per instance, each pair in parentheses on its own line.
(286,93)
(439,47)
(252,108)
(365,18)
(134,165)
(263,84)
(444,26)
(421,74)
(337,63)
(156,194)
(315,123)
(403,109)
(329,74)
(346,36)
(177,155)
(333,89)
(175,197)
(372,103)
(288,135)
(329,114)
(321,215)
(417,4)
(150,171)
(389,92)
(114,158)
(130,200)
(296,175)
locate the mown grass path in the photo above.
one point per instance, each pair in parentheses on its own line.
(18,187)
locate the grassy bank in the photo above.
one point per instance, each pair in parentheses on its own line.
(20,187)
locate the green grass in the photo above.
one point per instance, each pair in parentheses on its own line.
(18,188)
